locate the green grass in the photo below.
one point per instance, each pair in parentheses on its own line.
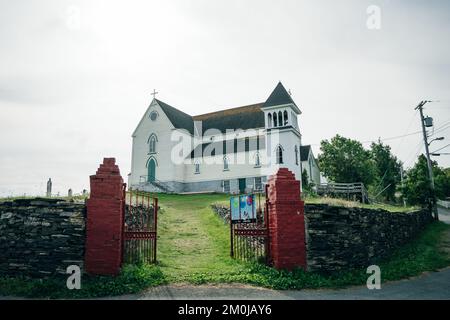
(133,279)
(193,247)
(346,203)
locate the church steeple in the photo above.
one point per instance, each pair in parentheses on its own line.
(279,96)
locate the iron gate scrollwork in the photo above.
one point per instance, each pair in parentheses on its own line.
(140,228)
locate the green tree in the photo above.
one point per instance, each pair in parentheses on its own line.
(417,189)
(345,160)
(306,184)
(387,171)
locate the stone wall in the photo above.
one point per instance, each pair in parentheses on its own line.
(341,238)
(41,237)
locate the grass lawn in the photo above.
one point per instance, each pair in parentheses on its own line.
(193,247)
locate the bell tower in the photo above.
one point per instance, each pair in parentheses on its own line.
(283,138)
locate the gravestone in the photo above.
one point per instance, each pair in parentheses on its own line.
(49,187)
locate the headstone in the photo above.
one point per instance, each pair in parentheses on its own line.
(49,187)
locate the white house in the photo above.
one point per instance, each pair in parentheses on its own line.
(310,164)
(231,151)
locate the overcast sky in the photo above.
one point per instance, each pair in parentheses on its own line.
(76,76)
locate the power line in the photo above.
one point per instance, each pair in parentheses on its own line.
(441,148)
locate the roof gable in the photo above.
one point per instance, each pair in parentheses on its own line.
(304,152)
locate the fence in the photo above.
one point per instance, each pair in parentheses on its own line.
(250,237)
(140,228)
(348,190)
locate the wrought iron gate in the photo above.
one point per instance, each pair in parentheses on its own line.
(250,238)
(140,228)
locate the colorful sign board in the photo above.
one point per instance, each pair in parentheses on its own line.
(243,208)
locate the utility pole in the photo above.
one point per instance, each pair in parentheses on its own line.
(427,151)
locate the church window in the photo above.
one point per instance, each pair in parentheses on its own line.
(152,143)
(257,160)
(279,155)
(269,120)
(280,119)
(285,118)
(225,164)
(296,155)
(197,167)
(153,115)
(275,119)
(258,184)
(226,186)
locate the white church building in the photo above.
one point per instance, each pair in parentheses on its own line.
(230,151)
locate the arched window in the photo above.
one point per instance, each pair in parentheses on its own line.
(152,143)
(279,155)
(257,160)
(280,118)
(269,120)
(197,167)
(285,117)
(275,119)
(225,163)
(296,155)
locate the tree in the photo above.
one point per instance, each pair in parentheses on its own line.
(305,181)
(417,189)
(387,170)
(345,160)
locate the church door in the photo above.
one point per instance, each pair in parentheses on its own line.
(242,185)
(151,170)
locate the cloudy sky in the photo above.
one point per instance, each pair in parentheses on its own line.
(76,76)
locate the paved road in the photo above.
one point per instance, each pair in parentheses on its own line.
(444,215)
(434,285)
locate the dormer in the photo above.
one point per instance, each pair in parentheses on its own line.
(280,111)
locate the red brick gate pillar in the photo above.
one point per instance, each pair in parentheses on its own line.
(105,220)
(286,221)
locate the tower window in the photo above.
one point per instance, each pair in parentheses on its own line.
(279,155)
(269,120)
(280,118)
(296,155)
(285,118)
(275,124)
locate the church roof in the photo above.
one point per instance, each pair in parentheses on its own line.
(304,152)
(245,117)
(179,119)
(279,96)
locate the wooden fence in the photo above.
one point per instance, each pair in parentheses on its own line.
(350,191)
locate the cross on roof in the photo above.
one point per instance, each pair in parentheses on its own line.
(154,93)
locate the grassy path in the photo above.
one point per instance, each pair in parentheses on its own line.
(193,241)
